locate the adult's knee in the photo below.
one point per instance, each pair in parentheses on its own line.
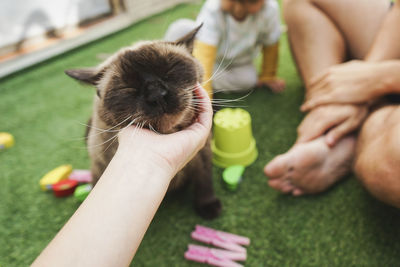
(294,10)
(377,166)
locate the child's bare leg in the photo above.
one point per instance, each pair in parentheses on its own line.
(321,32)
(378,154)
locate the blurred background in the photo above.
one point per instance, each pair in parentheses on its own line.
(54,27)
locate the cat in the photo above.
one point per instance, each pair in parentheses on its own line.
(151,84)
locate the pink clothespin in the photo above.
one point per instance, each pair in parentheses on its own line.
(215,257)
(220,239)
(82,176)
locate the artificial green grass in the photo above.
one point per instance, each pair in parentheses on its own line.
(45,110)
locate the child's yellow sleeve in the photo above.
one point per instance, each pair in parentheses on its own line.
(269,67)
(206,54)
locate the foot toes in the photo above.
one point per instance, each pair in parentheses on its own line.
(297,192)
(287,187)
(282,185)
(277,167)
(275,183)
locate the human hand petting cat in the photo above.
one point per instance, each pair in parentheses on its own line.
(333,120)
(170,151)
(353,82)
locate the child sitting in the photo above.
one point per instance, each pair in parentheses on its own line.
(232,34)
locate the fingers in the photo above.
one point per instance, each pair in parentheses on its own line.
(205,114)
(315,101)
(348,126)
(316,124)
(193,138)
(340,131)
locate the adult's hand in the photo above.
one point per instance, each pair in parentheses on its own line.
(354,82)
(335,121)
(170,151)
(122,204)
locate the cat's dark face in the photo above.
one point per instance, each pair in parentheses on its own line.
(151,83)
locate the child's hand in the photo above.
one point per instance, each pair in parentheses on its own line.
(276,85)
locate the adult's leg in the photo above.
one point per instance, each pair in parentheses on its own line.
(377,163)
(322,33)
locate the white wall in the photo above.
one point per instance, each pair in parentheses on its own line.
(21,19)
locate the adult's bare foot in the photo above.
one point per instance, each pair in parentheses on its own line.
(311,167)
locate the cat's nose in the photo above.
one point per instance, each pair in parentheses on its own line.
(156,96)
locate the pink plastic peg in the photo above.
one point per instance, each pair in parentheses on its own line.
(214,257)
(82,176)
(220,239)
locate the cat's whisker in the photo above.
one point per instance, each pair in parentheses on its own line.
(154,130)
(222,100)
(108,140)
(105,150)
(229,106)
(216,74)
(109,129)
(100,130)
(114,136)
(130,124)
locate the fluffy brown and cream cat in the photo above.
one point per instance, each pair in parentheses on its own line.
(151,84)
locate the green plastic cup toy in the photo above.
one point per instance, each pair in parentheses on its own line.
(232,176)
(233,142)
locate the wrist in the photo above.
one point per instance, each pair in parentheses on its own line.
(391,79)
(144,165)
(267,78)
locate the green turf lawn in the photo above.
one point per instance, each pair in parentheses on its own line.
(44,110)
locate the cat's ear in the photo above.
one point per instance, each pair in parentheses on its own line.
(188,39)
(86,75)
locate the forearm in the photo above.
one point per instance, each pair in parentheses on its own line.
(109,225)
(387,43)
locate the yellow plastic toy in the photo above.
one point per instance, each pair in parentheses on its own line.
(54,176)
(6,140)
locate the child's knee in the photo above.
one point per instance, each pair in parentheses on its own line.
(236,80)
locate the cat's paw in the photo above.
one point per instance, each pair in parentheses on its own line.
(210,209)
